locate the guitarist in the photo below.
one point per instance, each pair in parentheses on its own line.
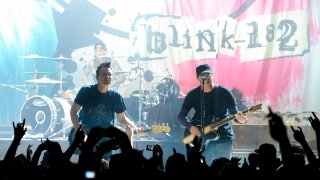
(219,103)
(99,105)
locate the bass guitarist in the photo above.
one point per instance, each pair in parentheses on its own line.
(211,103)
(97,105)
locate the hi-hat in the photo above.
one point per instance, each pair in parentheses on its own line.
(44,80)
(61,58)
(33,56)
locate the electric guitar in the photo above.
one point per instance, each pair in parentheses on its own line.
(209,130)
(156,129)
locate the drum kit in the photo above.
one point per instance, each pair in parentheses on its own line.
(149,89)
(49,116)
(45,116)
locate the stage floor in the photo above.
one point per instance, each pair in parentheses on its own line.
(248,137)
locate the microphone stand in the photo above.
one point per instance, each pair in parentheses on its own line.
(202,109)
(141,91)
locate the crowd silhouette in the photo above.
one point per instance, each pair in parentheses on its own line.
(294,161)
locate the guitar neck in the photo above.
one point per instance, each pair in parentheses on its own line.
(219,123)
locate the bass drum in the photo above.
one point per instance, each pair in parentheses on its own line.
(168,89)
(44,116)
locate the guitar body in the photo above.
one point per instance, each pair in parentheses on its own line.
(208,135)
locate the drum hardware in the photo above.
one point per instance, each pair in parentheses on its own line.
(36,72)
(121,72)
(33,56)
(44,80)
(61,67)
(139,70)
(61,58)
(14,87)
(63,131)
(160,75)
(69,94)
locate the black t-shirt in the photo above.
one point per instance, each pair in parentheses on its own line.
(98,109)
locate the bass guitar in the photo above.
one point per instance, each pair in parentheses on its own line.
(156,129)
(209,130)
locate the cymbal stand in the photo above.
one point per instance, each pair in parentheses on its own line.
(60,87)
(35,76)
(140,93)
(13,87)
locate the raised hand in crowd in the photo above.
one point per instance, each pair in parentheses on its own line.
(277,128)
(278,132)
(235,160)
(105,147)
(299,137)
(54,157)
(194,151)
(19,132)
(87,157)
(196,160)
(176,165)
(78,140)
(315,123)
(125,142)
(29,153)
(157,156)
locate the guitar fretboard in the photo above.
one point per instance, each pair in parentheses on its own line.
(220,123)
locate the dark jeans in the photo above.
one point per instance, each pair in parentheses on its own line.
(216,149)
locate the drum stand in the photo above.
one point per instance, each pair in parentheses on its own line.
(35,76)
(60,87)
(141,96)
(62,130)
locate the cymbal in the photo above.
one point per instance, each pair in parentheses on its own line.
(160,75)
(44,80)
(115,56)
(36,72)
(121,72)
(33,56)
(137,59)
(61,58)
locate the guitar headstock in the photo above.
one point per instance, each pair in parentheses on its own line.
(256,107)
(160,128)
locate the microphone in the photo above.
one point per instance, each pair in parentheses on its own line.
(204,78)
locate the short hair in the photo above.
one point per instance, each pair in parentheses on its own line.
(100,44)
(103,65)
